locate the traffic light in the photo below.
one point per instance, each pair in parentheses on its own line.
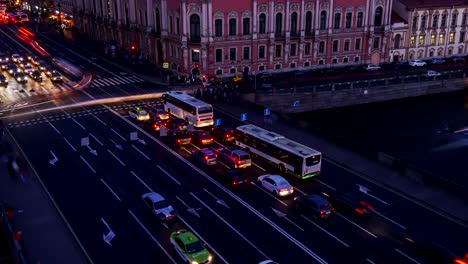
(197,66)
(132,47)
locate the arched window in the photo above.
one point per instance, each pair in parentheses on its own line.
(323,20)
(397,41)
(294,23)
(246,26)
(218,27)
(262,24)
(158,20)
(337,22)
(195,27)
(232,27)
(279,23)
(378,16)
(308,23)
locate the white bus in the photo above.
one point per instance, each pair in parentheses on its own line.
(184,106)
(288,156)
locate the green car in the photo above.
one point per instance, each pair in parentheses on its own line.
(190,248)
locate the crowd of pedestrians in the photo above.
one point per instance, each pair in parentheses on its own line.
(218,94)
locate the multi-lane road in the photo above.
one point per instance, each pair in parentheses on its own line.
(239,226)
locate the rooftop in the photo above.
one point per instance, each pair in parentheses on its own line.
(432,3)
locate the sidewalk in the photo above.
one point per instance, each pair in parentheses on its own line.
(444,203)
(46,238)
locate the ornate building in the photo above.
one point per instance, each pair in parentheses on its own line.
(428,28)
(227,37)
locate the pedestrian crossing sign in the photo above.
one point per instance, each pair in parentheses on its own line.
(165,65)
(217,122)
(244,117)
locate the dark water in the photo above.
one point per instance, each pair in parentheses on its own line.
(423,131)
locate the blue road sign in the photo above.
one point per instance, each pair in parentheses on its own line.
(244,117)
(217,122)
(296,103)
(266,111)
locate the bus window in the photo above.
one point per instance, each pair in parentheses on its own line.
(310,161)
(205,110)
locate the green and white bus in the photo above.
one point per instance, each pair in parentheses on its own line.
(288,156)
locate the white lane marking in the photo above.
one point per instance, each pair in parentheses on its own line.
(141,152)
(230,226)
(95,138)
(202,239)
(170,176)
(56,130)
(152,237)
(356,225)
(78,123)
(258,166)
(117,133)
(267,220)
(324,184)
(388,219)
(142,182)
(110,189)
(408,257)
(328,233)
(272,196)
(99,119)
(68,142)
(370,261)
(299,190)
(89,166)
(186,150)
(113,155)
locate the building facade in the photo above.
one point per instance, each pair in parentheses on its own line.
(425,29)
(227,37)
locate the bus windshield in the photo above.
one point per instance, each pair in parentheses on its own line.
(205,109)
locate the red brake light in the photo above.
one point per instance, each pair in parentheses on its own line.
(322,212)
(238,162)
(206,157)
(178,141)
(459,261)
(359,211)
(234,183)
(366,205)
(245,180)
(227,135)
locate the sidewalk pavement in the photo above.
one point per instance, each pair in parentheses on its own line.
(442,202)
(45,235)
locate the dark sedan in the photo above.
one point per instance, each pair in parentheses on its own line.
(36,75)
(222,134)
(201,138)
(176,123)
(350,202)
(205,157)
(178,138)
(232,177)
(314,205)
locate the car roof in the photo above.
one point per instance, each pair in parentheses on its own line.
(238,151)
(207,151)
(187,237)
(153,196)
(276,177)
(317,199)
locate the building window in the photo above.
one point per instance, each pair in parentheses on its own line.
(415,23)
(292,65)
(294,24)
(334,60)
(261,52)
(423,22)
(454,20)
(450,51)
(335,46)
(322,47)
(452,37)
(441,39)
(292,51)
(246,55)
(376,42)
(320,62)
(262,24)
(464,19)
(308,23)
(246,26)
(378,16)
(443,22)
(277,66)
(306,64)
(337,21)
(421,40)
(412,42)
(323,20)
(219,72)
(439,52)
(278,51)
(435,20)
(219,55)
(178,25)
(232,54)
(171,22)
(360,16)
(460,49)
(433,39)
(307,48)
(349,16)
(279,23)
(397,41)
(346,45)
(356,59)
(194,27)
(232,70)
(261,68)
(461,39)
(218,28)
(431,53)
(195,55)
(357,44)
(345,60)
(232,27)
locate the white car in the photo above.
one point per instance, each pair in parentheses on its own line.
(158,206)
(139,114)
(372,67)
(16,58)
(417,63)
(431,74)
(276,184)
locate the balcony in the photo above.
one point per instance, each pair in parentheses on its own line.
(194,39)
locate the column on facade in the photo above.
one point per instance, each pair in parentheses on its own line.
(204,34)
(254,51)
(316,27)
(331,14)
(272,30)
(184,33)
(287,42)
(210,48)
(302,30)
(164,18)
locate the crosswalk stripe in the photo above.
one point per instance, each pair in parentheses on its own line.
(121,80)
(99,83)
(117,81)
(138,79)
(110,81)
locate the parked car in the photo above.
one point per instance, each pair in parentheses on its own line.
(205,156)
(158,206)
(178,137)
(201,138)
(314,205)
(233,177)
(223,134)
(438,61)
(417,63)
(235,158)
(431,73)
(372,67)
(457,58)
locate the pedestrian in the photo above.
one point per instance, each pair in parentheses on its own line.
(10,168)
(22,168)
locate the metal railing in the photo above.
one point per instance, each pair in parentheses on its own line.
(17,253)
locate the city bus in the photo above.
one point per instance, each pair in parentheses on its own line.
(288,156)
(184,106)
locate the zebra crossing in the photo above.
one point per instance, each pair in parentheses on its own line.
(15,93)
(113,81)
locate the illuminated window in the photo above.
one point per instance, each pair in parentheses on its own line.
(412,41)
(433,39)
(421,40)
(452,37)
(441,39)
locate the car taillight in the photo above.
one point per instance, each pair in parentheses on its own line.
(234,183)
(359,211)
(366,205)
(459,261)
(333,209)
(178,141)
(245,180)
(216,155)
(322,212)
(227,135)
(206,157)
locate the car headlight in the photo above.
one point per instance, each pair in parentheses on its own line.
(18,79)
(194,262)
(210,258)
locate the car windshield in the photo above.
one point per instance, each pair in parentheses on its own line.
(194,247)
(142,112)
(161,204)
(160,111)
(205,110)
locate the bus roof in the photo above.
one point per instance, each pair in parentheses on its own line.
(278,140)
(187,98)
